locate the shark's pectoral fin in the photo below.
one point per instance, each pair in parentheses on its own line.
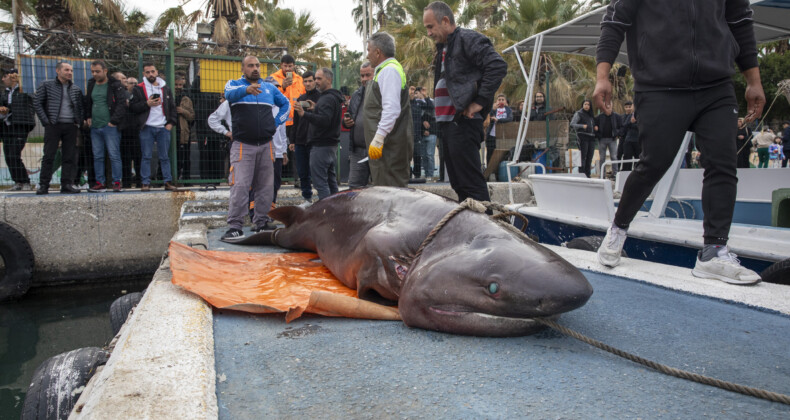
(372,284)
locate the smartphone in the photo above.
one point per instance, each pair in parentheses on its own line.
(304,104)
(289,74)
(155,96)
(347,115)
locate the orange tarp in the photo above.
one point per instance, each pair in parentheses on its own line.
(266,283)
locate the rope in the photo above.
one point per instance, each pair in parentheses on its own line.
(479,207)
(729,386)
(762,122)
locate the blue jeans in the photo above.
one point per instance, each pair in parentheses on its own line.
(160,135)
(106,138)
(302,156)
(428,164)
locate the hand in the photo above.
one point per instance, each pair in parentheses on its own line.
(602,96)
(254,89)
(229,135)
(298,108)
(179,110)
(472,109)
(426,133)
(154,102)
(426,124)
(291,147)
(741,137)
(633,120)
(348,122)
(285,158)
(376,148)
(584,126)
(755,97)
(3,110)
(312,105)
(169,127)
(287,82)
(88,122)
(596,128)
(110,125)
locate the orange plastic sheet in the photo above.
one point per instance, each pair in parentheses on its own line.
(293,283)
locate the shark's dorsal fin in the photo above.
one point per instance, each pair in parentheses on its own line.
(288,215)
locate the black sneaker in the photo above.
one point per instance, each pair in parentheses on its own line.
(265,226)
(42,189)
(233,234)
(68,189)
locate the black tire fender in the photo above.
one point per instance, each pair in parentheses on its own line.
(778,272)
(120,309)
(588,243)
(58,382)
(18,258)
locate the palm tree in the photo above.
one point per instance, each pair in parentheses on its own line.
(178,19)
(227,20)
(383,13)
(76,14)
(295,32)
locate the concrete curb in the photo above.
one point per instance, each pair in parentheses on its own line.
(162,361)
(763,295)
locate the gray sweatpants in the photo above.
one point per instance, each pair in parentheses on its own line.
(358,173)
(250,167)
(322,170)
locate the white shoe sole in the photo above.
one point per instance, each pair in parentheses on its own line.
(610,265)
(706,275)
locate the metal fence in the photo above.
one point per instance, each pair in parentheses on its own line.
(199,157)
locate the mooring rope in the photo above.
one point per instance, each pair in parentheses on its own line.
(483,206)
(678,373)
(476,206)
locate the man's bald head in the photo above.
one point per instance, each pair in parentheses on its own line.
(251,68)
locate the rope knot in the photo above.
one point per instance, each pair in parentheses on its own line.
(474,205)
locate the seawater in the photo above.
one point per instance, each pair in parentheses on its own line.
(49,321)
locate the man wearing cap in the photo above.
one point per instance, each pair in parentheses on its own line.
(18,120)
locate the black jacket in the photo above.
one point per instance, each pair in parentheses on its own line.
(616,125)
(357,133)
(22,113)
(116,100)
(48,98)
(325,119)
(301,124)
(628,130)
(538,113)
(580,119)
(473,70)
(139,105)
(679,44)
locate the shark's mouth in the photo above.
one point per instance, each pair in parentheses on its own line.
(461,312)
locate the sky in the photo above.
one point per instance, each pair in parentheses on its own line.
(332,16)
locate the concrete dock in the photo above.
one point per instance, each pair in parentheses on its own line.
(178,358)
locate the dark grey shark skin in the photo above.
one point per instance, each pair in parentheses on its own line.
(475,278)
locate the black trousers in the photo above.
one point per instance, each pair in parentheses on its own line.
(664,118)
(631,150)
(65,133)
(14,140)
(461,140)
(278,177)
(744,151)
(212,155)
(490,147)
(184,161)
(130,156)
(587,150)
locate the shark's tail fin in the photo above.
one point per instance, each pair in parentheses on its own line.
(288,215)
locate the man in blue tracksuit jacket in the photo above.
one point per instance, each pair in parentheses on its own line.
(252,152)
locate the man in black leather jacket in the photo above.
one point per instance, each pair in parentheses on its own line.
(467,74)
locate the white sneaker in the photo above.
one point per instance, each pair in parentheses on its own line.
(612,246)
(305,204)
(727,268)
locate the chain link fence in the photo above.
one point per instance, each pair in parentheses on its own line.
(198,153)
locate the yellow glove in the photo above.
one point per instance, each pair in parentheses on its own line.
(375,150)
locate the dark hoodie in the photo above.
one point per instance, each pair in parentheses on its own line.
(324,120)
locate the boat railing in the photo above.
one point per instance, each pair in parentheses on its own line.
(612,162)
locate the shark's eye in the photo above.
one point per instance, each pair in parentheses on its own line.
(493,288)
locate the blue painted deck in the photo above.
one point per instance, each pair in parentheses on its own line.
(317,367)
